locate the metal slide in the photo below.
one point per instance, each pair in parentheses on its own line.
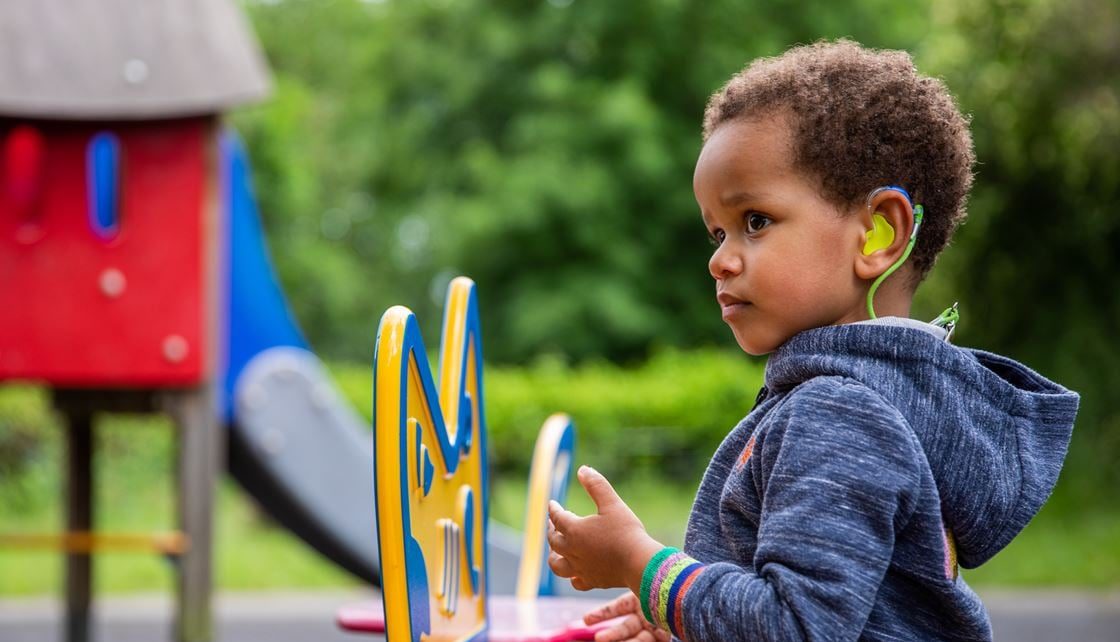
(295,444)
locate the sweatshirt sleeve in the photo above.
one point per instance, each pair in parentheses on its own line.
(840,474)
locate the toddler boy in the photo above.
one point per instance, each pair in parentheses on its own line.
(878,456)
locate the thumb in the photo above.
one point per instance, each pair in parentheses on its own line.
(598,488)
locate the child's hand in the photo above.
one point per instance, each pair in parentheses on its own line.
(607,550)
(633,627)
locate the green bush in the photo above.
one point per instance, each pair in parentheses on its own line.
(25,425)
(651,428)
(664,417)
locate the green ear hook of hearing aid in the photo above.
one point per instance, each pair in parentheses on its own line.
(919,214)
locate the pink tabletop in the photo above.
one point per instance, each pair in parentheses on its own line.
(545,619)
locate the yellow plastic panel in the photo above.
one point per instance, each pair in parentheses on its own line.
(430,475)
(548,480)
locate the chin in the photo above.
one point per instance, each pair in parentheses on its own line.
(754,347)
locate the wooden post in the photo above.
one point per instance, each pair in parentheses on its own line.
(200,456)
(79,517)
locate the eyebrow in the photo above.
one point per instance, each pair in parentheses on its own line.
(731,200)
(734,198)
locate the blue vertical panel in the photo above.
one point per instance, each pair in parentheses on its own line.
(103,163)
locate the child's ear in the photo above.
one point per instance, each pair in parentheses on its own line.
(887,223)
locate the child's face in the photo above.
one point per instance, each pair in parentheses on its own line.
(785,257)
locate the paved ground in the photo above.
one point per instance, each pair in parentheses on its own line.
(308,617)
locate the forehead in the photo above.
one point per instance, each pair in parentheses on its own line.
(745,155)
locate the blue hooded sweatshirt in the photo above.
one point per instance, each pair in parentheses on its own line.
(877,458)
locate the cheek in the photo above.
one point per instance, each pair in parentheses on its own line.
(825,263)
(796,272)
(828,244)
(810,281)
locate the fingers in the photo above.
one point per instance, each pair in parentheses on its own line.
(598,488)
(621,605)
(561,519)
(580,584)
(557,541)
(560,565)
(628,628)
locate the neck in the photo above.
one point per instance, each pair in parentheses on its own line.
(890,308)
(893,299)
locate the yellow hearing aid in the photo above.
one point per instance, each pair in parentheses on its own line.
(880,236)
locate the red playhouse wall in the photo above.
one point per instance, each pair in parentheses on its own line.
(126,305)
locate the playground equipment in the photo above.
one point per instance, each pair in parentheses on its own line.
(136,278)
(432,496)
(110,239)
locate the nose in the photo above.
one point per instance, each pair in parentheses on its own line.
(725,262)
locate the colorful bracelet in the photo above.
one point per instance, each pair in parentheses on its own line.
(647,579)
(665,581)
(659,589)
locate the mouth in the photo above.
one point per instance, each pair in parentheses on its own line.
(730,305)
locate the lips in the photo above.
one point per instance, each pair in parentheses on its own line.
(730,304)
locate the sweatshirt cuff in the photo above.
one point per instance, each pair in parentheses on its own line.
(666,580)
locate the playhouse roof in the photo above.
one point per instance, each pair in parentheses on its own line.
(126,59)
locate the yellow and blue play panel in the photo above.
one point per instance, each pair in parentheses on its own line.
(430,474)
(548,480)
(431,494)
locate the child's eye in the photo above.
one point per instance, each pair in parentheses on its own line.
(716,237)
(756,221)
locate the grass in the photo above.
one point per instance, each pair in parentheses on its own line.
(1074,541)
(1059,548)
(250,553)
(134,492)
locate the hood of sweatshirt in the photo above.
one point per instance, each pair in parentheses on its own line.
(995,433)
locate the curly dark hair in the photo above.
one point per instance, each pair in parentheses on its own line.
(863,118)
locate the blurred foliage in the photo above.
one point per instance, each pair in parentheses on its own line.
(546,150)
(650,428)
(1036,265)
(665,418)
(25,423)
(543,148)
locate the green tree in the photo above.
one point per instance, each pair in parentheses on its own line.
(543,148)
(1036,264)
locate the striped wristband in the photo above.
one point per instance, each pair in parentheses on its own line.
(647,579)
(666,579)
